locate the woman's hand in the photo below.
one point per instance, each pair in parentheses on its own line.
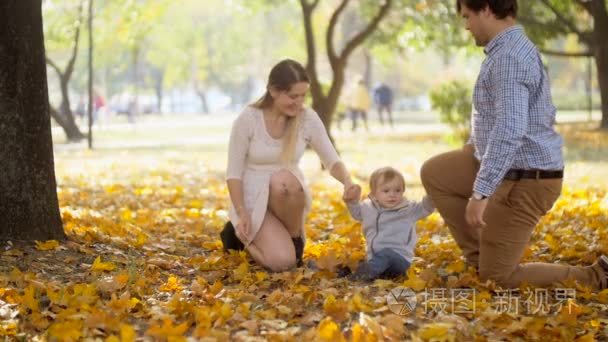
(242,229)
(352,192)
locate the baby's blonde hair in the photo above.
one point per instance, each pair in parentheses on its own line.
(384,174)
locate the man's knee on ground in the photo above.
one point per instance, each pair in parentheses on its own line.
(426,172)
(504,279)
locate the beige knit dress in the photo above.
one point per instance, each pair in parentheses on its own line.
(253,156)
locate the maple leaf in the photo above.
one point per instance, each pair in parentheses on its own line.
(8,328)
(456,266)
(602,297)
(66,331)
(436,331)
(261,276)
(328,261)
(29,298)
(337,309)
(241,271)
(39,321)
(216,288)
(172,285)
(98,265)
(357,303)
(328,330)
(47,245)
(140,240)
(590,337)
(168,331)
(413,281)
(358,333)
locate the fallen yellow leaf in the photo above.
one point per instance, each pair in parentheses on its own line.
(47,245)
(98,265)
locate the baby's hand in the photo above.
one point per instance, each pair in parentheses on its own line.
(352,193)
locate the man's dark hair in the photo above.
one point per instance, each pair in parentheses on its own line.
(500,8)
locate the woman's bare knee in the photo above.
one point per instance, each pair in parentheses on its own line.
(283,184)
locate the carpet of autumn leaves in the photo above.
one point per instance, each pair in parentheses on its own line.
(143,261)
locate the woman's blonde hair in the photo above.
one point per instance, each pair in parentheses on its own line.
(282,77)
(382,175)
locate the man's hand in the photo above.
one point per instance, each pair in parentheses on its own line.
(474,212)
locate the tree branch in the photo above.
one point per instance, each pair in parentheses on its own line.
(309,6)
(311,63)
(329,36)
(54,66)
(70,66)
(596,8)
(589,5)
(562,18)
(57,116)
(360,37)
(586,5)
(585,37)
(566,54)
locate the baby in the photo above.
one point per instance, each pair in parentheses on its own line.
(389,221)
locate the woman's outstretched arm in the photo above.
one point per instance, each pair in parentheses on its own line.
(351,190)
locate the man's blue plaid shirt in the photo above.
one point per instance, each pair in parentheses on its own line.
(513,116)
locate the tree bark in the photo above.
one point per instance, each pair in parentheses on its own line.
(29,208)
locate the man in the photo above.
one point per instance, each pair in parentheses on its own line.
(493,192)
(383,96)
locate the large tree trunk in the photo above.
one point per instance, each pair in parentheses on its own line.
(29,208)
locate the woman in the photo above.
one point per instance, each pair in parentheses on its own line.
(268,192)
